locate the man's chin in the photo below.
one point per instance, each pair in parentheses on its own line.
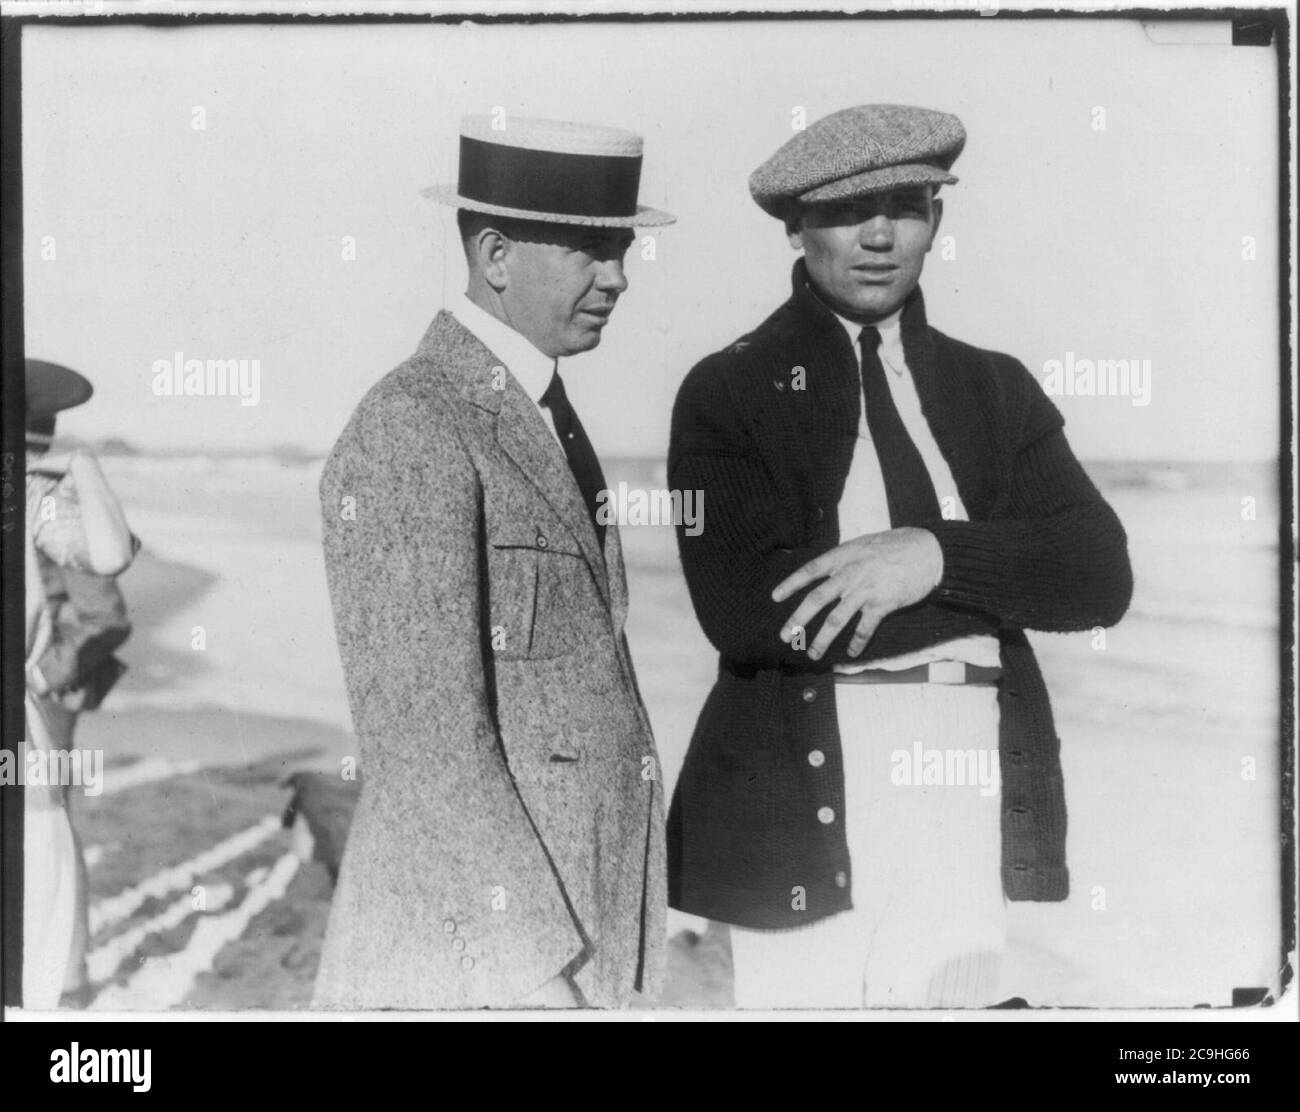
(584,340)
(875,304)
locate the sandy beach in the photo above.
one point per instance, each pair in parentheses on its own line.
(234,683)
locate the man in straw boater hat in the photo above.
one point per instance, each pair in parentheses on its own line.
(507,848)
(876,769)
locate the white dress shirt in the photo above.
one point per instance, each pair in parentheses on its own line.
(864,508)
(530,367)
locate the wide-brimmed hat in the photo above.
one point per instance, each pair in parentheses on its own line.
(871,148)
(52,387)
(554,171)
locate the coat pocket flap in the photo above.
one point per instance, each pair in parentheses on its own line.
(540,538)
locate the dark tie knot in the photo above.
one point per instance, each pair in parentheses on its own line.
(869,338)
(555,396)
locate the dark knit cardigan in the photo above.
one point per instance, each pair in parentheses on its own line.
(1042,550)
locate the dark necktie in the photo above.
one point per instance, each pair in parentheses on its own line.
(577,449)
(908,488)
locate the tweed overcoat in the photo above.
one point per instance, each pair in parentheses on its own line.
(510,824)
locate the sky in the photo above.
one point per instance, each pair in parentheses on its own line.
(1152,237)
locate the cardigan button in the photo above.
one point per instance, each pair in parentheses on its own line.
(809,694)
(449,926)
(542,542)
(825,816)
(458,944)
(816,758)
(467,963)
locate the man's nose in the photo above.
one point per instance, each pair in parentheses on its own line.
(610,278)
(877,233)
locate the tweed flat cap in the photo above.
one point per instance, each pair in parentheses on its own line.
(857,151)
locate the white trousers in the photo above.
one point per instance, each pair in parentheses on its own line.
(923,802)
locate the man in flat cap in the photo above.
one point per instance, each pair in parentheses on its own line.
(876,769)
(507,848)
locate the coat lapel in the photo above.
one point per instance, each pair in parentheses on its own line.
(953,418)
(521,431)
(524,437)
(617,575)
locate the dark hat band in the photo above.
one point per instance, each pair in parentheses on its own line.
(548,181)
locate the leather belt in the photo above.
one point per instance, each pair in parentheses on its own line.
(941,671)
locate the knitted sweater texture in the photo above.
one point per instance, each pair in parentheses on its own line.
(766,430)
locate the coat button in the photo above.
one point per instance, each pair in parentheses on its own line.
(826,816)
(449,926)
(458,944)
(778,384)
(809,694)
(816,758)
(467,963)
(542,542)
(819,513)
(841,879)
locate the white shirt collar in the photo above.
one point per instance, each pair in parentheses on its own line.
(891,338)
(531,368)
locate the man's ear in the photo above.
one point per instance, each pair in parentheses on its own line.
(491,251)
(794,228)
(937,207)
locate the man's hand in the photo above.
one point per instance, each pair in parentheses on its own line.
(872,575)
(556,993)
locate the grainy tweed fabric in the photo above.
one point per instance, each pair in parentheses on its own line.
(1042,550)
(510,822)
(857,151)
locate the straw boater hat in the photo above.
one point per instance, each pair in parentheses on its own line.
(855,152)
(554,171)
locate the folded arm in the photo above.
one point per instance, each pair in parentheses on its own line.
(743,553)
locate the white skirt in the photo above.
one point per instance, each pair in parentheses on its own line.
(49,871)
